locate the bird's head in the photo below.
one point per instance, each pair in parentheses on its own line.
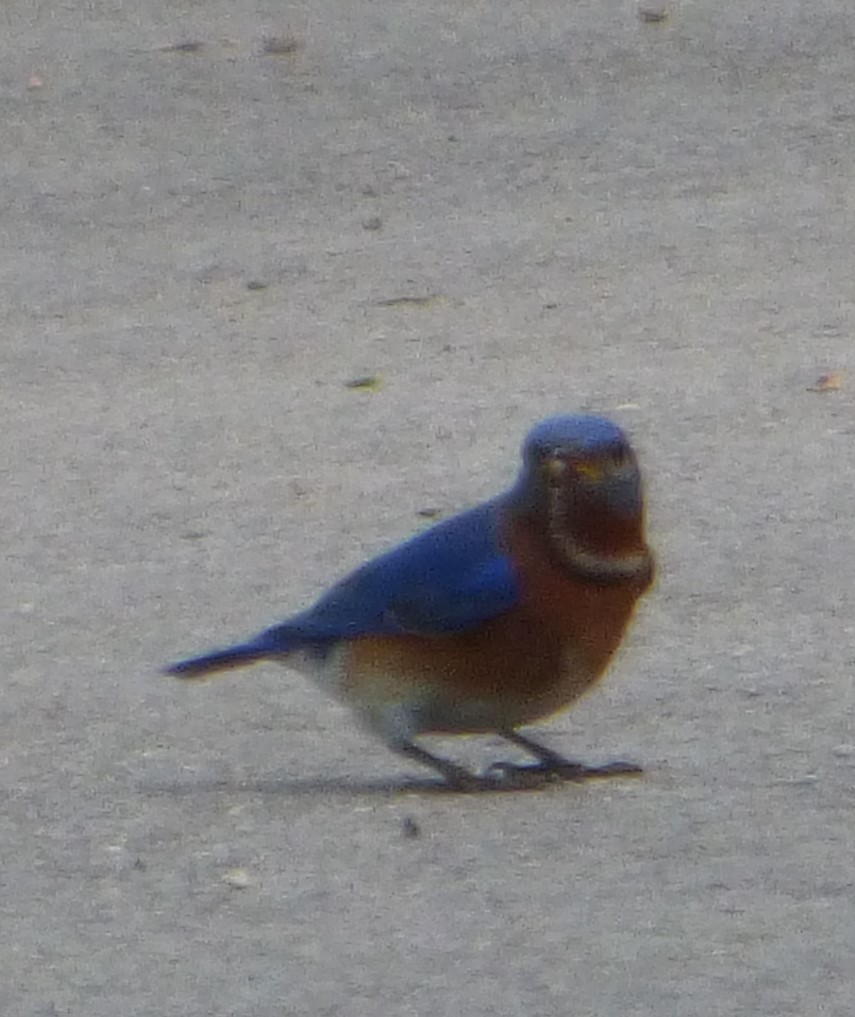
(580,480)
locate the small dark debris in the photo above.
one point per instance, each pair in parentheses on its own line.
(365,381)
(256,284)
(653,14)
(430,512)
(188,46)
(280,45)
(374,223)
(410,828)
(411,301)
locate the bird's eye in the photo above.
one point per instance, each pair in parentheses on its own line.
(621,455)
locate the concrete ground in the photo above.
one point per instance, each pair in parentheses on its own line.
(216,215)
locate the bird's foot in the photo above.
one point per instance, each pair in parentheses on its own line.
(514,776)
(466,783)
(456,778)
(552,769)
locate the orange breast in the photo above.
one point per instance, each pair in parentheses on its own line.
(516,668)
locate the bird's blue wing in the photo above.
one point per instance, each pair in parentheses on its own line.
(448,579)
(456,603)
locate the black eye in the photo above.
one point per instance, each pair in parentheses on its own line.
(540,453)
(620,455)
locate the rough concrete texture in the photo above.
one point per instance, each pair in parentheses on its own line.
(202,244)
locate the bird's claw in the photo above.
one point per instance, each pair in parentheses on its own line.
(514,776)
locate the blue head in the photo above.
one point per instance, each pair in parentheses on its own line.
(580,481)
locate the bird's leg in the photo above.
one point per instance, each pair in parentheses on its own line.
(549,759)
(455,776)
(551,765)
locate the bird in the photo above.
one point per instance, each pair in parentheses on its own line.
(489,620)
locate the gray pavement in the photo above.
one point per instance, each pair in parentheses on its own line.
(201,246)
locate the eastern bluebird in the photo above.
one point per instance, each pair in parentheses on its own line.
(489,620)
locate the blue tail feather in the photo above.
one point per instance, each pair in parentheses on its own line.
(219,660)
(274,642)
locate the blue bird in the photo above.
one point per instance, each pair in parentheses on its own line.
(491,620)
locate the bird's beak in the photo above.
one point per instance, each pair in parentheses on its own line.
(554,469)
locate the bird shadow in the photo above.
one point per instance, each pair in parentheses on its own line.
(344,787)
(298,787)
